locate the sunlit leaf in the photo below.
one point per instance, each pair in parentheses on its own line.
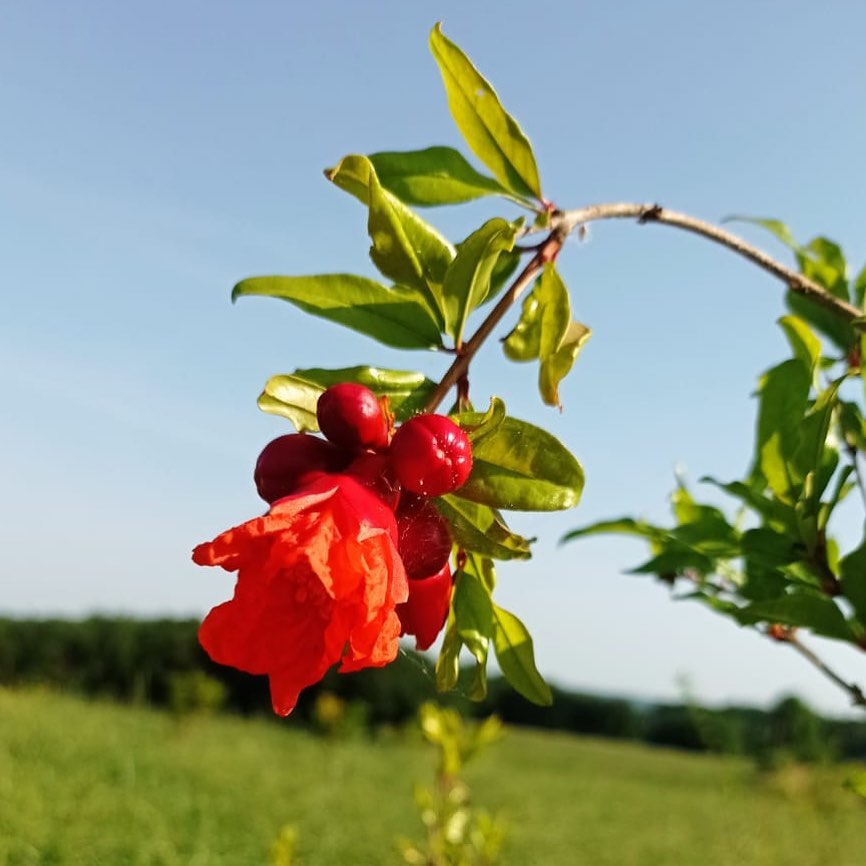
(492,134)
(521,467)
(481,529)
(804,344)
(397,316)
(546,331)
(467,281)
(294,396)
(404,243)
(784,392)
(448,663)
(433,176)
(473,617)
(516,657)
(524,341)
(776,227)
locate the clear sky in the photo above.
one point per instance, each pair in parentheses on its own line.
(154,153)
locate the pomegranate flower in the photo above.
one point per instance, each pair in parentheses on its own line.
(319,577)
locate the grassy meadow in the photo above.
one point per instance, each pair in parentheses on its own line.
(83,784)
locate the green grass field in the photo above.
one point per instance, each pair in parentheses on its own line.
(88,784)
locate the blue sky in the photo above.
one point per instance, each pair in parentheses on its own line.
(153,154)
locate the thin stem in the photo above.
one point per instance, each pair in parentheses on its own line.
(567,221)
(858,698)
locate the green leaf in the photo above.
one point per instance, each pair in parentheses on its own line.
(397,316)
(784,392)
(804,344)
(522,468)
(811,453)
(448,663)
(771,510)
(481,529)
(802,610)
(514,652)
(486,424)
(829,253)
(505,266)
(492,134)
(434,176)
(295,396)
(473,611)
(852,424)
(403,243)
(561,338)
(467,281)
(524,341)
(775,227)
(546,331)
(407,391)
(852,570)
(622,526)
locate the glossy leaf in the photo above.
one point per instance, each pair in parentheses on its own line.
(524,341)
(404,243)
(516,657)
(492,134)
(546,331)
(433,176)
(467,281)
(294,396)
(561,338)
(521,467)
(397,316)
(482,424)
(481,529)
(407,391)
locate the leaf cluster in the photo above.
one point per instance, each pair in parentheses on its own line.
(775,563)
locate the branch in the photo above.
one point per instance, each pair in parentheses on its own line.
(563,223)
(788,635)
(567,221)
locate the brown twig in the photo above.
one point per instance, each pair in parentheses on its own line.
(563,223)
(567,221)
(789,636)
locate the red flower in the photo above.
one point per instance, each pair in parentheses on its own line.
(425,611)
(318,580)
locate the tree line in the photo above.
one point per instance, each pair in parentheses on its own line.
(160,663)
